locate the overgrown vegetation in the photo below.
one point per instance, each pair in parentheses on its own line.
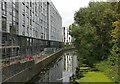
(97,36)
(94,77)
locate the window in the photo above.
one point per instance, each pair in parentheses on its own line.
(13,27)
(30,13)
(10,9)
(23,33)
(27,12)
(4,8)
(14,18)
(23,24)
(35,9)
(17,27)
(27,4)
(30,4)
(23,12)
(4,24)
(4,5)
(28,30)
(30,22)
(27,21)
(14,14)
(23,3)
(23,21)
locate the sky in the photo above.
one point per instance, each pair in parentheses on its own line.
(67,8)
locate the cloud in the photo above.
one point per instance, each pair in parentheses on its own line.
(67,8)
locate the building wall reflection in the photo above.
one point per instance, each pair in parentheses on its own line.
(61,70)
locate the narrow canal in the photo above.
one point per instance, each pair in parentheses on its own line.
(61,70)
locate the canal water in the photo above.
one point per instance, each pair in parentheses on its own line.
(61,70)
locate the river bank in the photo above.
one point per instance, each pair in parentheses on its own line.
(92,75)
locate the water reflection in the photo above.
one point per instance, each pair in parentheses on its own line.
(60,70)
(70,64)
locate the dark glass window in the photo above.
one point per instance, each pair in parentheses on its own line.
(13,28)
(4,24)
(23,3)
(30,22)
(30,4)
(4,8)
(30,13)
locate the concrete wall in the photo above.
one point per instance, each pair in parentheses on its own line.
(8,72)
(29,73)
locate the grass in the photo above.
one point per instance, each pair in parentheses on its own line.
(94,77)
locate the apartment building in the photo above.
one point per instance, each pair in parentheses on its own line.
(28,27)
(38,19)
(55,31)
(67,39)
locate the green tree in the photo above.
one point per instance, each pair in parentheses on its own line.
(115,53)
(92,29)
(97,36)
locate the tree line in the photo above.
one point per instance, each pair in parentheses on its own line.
(96,33)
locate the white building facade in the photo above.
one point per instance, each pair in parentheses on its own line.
(67,39)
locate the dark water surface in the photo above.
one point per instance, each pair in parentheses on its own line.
(60,70)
